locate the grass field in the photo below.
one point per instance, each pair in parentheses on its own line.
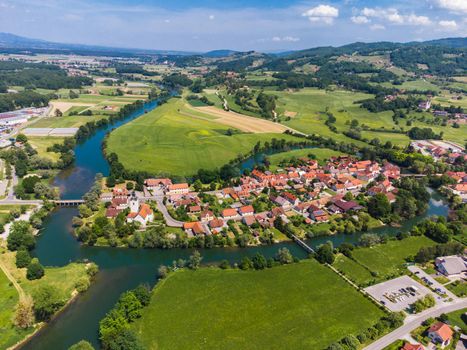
(299,306)
(6,209)
(352,269)
(457,318)
(166,141)
(41,143)
(389,258)
(9,334)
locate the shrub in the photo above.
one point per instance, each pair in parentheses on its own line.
(81,345)
(35,270)
(47,301)
(82,284)
(23,259)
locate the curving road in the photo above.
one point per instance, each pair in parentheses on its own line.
(170,221)
(412,322)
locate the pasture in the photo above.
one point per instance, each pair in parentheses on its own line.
(283,307)
(166,141)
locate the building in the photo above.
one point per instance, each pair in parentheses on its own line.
(246,210)
(154,184)
(408,346)
(440,333)
(140,213)
(451,265)
(425,105)
(182,188)
(229,214)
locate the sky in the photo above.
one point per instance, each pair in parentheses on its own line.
(203,25)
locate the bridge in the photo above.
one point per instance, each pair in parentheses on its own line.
(303,244)
(69,202)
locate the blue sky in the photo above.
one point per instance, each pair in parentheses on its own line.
(265,25)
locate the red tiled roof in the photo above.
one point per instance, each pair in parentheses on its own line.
(442,329)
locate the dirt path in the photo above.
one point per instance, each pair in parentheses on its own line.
(7,273)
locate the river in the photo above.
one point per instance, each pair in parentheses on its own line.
(121,269)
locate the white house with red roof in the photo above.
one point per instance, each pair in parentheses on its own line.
(140,213)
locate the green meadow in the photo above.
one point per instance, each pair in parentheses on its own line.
(166,141)
(299,306)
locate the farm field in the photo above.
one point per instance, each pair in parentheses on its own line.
(165,141)
(238,309)
(41,143)
(385,259)
(74,121)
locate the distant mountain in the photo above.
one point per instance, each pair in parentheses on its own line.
(219,53)
(449,42)
(16,42)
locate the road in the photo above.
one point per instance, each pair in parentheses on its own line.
(412,322)
(420,273)
(13,183)
(170,221)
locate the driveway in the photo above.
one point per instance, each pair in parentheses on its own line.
(435,284)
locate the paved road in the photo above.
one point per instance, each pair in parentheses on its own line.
(420,273)
(170,221)
(412,322)
(19,201)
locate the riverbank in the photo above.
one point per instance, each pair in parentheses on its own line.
(64,280)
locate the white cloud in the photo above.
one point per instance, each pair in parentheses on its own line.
(453,5)
(448,25)
(418,20)
(377,27)
(291,39)
(392,15)
(359,19)
(211,17)
(322,13)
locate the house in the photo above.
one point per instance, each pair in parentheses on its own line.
(425,105)
(120,203)
(341,206)
(451,265)
(249,220)
(408,346)
(120,192)
(106,196)
(194,209)
(182,188)
(440,333)
(320,216)
(206,216)
(216,225)
(292,199)
(153,184)
(229,214)
(111,212)
(193,228)
(246,210)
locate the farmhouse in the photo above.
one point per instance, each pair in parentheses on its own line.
(153,184)
(140,213)
(440,333)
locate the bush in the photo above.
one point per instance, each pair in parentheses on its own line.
(81,345)
(23,259)
(82,284)
(35,270)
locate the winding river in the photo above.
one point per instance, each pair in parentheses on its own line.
(120,268)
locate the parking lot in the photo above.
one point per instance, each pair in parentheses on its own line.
(397,294)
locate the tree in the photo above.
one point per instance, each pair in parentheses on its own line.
(259,261)
(34,270)
(143,294)
(124,340)
(21,138)
(47,301)
(325,254)
(246,263)
(130,305)
(81,345)
(58,113)
(24,314)
(379,206)
(20,236)
(23,258)
(284,256)
(369,239)
(351,342)
(195,260)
